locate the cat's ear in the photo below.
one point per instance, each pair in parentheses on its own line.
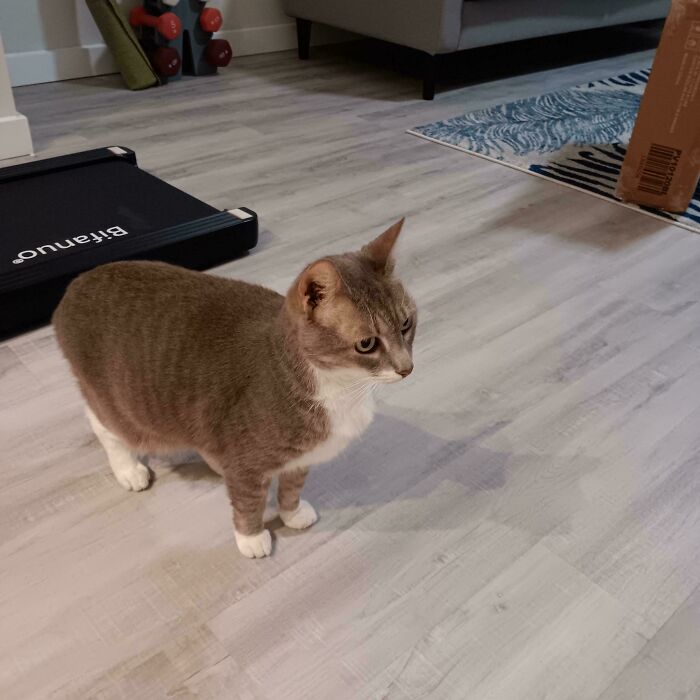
(318,283)
(378,252)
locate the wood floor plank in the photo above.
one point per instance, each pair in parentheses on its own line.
(667,667)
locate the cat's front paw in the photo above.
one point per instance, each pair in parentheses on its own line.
(254,546)
(133,477)
(304,516)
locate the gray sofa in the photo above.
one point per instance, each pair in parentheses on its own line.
(438,27)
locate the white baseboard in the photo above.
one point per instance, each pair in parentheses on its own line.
(47,66)
(32,67)
(15,139)
(278,37)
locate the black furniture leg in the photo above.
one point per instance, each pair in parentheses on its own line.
(430,73)
(303,37)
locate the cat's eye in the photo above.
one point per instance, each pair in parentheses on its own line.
(367,345)
(407,325)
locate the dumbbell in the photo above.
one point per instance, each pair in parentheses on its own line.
(167,24)
(165,61)
(210,20)
(218,53)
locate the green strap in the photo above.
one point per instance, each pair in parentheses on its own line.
(121,40)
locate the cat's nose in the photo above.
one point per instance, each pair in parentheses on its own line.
(405,372)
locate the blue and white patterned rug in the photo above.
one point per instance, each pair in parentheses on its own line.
(577,137)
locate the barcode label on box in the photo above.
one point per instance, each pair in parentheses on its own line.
(659,166)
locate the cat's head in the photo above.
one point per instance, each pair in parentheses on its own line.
(353,313)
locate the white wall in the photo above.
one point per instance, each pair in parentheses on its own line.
(48,40)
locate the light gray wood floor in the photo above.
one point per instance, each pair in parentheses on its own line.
(523,518)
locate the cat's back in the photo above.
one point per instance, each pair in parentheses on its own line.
(128,302)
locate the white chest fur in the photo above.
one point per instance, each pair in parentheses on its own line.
(348,401)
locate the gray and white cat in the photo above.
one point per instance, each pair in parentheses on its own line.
(261,385)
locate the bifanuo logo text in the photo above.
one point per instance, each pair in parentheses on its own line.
(56,246)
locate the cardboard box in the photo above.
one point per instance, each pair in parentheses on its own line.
(662,164)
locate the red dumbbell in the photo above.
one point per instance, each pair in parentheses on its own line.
(167,24)
(210,19)
(165,61)
(218,53)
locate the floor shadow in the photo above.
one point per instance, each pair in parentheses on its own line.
(461,69)
(196,471)
(525,209)
(394,455)
(398,463)
(111,81)
(186,464)
(534,55)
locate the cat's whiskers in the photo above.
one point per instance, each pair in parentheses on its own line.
(333,391)
(359,394)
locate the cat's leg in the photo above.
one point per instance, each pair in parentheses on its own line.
(248,494)
(129,472)
(294,512)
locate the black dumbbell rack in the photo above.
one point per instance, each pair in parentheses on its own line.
(198,51)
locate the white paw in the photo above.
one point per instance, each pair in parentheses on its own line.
(134,478)
(254,546)
(304,516)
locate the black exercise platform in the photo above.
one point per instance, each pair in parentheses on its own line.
(62,216)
